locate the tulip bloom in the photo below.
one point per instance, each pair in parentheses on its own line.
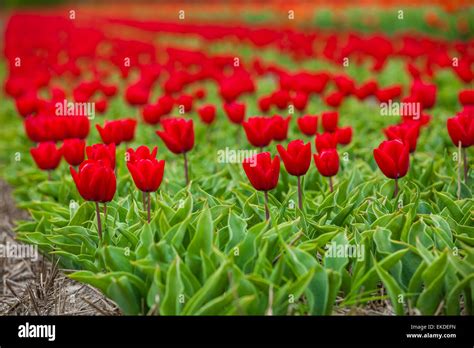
(128,129)
(152,113)
(207,114)
(325,141)
(102,152)
(235,112)
(96,182)
(407,132)
(263,174)
(424,93)
(146,171)
(142,152)
(264,103)
(178,136)
(166,104)
(279,127)
(308,124)
(344,135)
(111,132)
(300,101)
(73,151)
(393,159)
(389,93)
(329,121)
(334,99)
(461,132)
(46,156)
(327,162)
(258,131)
(186,101)
(466,97)
(297,159)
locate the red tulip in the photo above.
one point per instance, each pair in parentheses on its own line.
(325,141)
(279,127)
(329,121)
(142,152)
(103,152)
(200,94)
(95,181)
(264,104)
(393,159)
(263,174)
(344,135)
(258,131)
(46,155)
(308,124)
(137,94)
(178,136)
(424,92)
(111,132)
(152,113)
(327,163)
(235,112)
(27,104)
(109,90)
(73,151)
(281,98)
(461,132)
(300,101)
(186,101)
(344,84)
(386,94)
(466,97)
(207,113)
(128,129)
(76,126)
(334,99)
(101,106)
(262,171)
(297,159)
(406,132)
(367,89)
(147,175)
(166,104)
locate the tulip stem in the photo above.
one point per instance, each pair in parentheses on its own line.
(99,224)
(186,174)
(466,167)
(459,170)
(331,187)
(395,192)
(267,212)
(49,175)
(149,206)
(300,194)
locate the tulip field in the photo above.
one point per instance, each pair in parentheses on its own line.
(201,163)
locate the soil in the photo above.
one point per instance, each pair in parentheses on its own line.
(36,285)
